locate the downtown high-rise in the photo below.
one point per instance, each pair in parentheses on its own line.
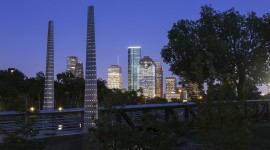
(159,79)
(48,103)
(134,56)
(170,85)
(75,67)
(114,77)
(71,63)
(147,77)
(79,70)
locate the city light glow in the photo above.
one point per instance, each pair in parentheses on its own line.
(32,109)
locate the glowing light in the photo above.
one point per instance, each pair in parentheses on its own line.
(60,108)
(200,97)
(60,127)
(32,109)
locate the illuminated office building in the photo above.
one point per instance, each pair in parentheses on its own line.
(114,77)
(79,70)
(159,79)
(134,56)
(71,64)
(75,67)
(170,85)
(147,78)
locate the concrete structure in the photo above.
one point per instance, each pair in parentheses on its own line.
(75,67)
(170,85)
(90,102)
(79,70)
(134,56)
(49,75)
(159,79)
(71,64)
(147,77)
(114,77)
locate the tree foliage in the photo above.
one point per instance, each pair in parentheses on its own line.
(69,91)
(224,46)
(223,126)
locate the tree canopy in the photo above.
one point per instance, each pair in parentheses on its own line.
(220,46)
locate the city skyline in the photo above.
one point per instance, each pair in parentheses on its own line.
(116,28)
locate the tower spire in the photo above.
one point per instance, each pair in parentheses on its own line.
(90,102)
(49,76)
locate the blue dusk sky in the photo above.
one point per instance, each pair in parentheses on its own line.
(118,24)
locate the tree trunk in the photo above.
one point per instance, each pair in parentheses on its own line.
(240,87)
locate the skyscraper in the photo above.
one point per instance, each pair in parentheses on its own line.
(134,56)
(48,103)
(79,70)
(90,102)
(159,79)
(115,77)
(147,78)
(170,85)
(71,64)
(75,67)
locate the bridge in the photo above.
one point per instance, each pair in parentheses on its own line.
(70,121)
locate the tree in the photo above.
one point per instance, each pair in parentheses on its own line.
(35,89)
(69,90)
(224,46)
(12,86)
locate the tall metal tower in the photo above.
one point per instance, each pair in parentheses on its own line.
(49,76)
(90,102)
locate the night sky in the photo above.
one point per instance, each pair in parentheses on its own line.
(118,24)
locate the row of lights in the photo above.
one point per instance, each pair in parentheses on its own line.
(32,109)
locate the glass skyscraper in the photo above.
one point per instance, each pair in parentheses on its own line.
(134,56)
(147,76)
(114,77)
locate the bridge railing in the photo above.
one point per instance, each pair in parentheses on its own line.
(132,115)
(70,121)
(56,122)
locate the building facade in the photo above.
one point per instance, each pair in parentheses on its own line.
(48,103)
(79,70)
(170,85)
(134,56)
(71,64)
(75,67)
(114,77)
(159,79)
(147,77)
(90,100)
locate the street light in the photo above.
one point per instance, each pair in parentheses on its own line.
(32,109)
(60,108)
